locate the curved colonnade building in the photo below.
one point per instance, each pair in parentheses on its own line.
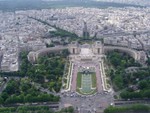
(88,51)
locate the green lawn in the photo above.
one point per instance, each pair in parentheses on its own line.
(93,79)
(79,78)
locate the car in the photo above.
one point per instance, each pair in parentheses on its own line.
(34,103)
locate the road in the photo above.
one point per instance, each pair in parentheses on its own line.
(126,103)
(99,79)
(3,86)
(96,102)
(125,33)
(50,104)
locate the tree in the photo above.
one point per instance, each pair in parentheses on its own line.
(25,87)
(65,53)
(143,84)
(70,109)
(118,80)
(4,95)
(12,87)
(148,61)
(1,100)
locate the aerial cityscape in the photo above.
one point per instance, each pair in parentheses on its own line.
(75,59)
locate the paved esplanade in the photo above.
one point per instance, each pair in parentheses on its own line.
(84,64)
(74,77)
(87,55)
(87,64)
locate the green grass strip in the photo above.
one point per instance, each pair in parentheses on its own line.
(79,78)
(93,80)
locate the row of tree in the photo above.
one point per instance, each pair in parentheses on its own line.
(128,109)
(62,33)
(142,94)
(34,109)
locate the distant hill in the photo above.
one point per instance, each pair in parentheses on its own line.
(134,2)
(12,5)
